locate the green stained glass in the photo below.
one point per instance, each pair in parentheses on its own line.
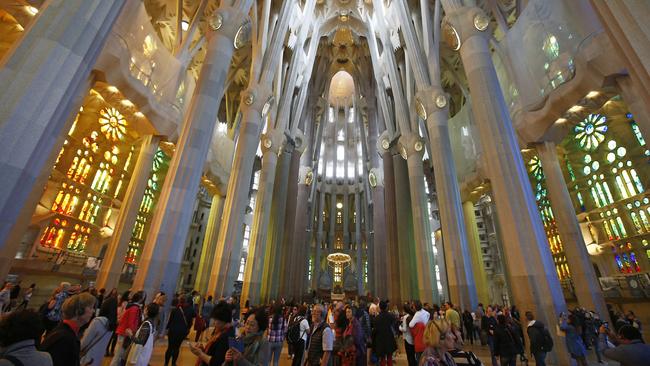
(612,224)
(570,170)
(621,187)
(608,230)
(611,157)
(159,159)
(608,192)
(644,219)
(594,195)
(535,167)
(611,144)
(601,194)
(587,159)
(637,133)
(628,182)
(636,222)
(621,227)
(590,132)
(582,203)
(636,180)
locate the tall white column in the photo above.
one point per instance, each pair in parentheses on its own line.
(163,251)
(587,288)
(259,232)
(111,268)
(44,79)
(462,288)
(209,244)
(531,270)
(227,256)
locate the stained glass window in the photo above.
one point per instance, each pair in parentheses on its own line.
(113,124)
(590,132)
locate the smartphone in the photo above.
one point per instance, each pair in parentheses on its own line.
(236,344)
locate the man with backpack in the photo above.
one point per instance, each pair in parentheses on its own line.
(541,341)
(297,334)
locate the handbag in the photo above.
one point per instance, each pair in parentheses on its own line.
(136,348)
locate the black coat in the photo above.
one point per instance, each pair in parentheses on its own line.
(506,342)
(383,338)
(63,345)
(536,336)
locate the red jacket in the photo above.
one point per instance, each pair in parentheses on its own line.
(129,320)
(418,337)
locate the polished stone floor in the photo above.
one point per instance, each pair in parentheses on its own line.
(188,359)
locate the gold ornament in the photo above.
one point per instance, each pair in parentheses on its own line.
(216,21)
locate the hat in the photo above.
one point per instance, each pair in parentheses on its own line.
(222,311)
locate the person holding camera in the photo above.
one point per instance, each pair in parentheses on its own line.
(214,352)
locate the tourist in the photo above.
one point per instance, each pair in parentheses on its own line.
(417,325)
(144,337)
(300,321)
(630,350)
(277,331)
(488,325)
(452,315)
(27,296)
(507,344)
(111,305)
(573,339)
(62,343)
(540,339)
(53,310)
(203,321)
(257,350)
(354,341)
(177,329)
(383,340)
(321,340)
(160,322)
(214,352)
(409,347)
(20,333)
(633,320)
(293,313)
(435,352)
(98,334)
(468,323)
(127,325)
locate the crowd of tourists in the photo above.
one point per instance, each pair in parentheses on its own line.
(83,327)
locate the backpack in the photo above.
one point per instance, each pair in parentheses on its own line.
(293,333)
(547,341)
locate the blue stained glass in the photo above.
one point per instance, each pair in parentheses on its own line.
(628,115)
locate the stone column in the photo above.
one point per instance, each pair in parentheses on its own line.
(111,268)
(292,257)
(229,245)
(392,251)
(474,244)
(357,239)
(319,237)
(531,270)
(346,213)
(405,245)
(413,146)
(433,103)
(587,288)
(44,79)
(209,244)
(271,147)
(279,213)
(163,251)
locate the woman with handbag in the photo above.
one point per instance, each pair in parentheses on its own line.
(177,329)
(354,341)
(142,345)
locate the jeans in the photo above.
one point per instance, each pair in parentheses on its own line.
(173,348)
(540,358)
(276,349)
(490,342)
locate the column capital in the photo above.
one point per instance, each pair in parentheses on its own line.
(385,142)
(258,97)
(431,101)
(411,145)
(273,141)
(463,23)
(226,21)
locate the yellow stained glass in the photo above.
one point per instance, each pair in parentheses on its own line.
(113,124)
